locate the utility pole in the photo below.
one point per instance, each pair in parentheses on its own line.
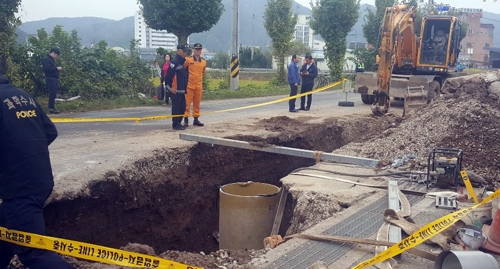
(235,78)
(253,40)
(356,40)
(430,6)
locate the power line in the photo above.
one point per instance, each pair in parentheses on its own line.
(490,19)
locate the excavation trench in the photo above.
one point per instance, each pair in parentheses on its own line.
(170,200)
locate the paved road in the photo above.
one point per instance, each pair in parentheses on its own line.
(87,150)
(320,100)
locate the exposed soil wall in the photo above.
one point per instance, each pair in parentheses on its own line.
(170,200)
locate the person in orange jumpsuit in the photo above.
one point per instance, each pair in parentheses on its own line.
(196,66)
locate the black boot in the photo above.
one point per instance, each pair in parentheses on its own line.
(186,122)
(179,127)
(196,122)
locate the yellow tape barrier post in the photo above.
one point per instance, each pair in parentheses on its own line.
(89,251)
(137,120)
(424,233)
(468,186)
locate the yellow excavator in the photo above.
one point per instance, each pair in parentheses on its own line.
(410,67)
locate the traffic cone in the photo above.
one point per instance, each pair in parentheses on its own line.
(493,234)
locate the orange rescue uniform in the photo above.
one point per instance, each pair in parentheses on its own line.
(196,69)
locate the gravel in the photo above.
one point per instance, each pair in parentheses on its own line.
(467,119)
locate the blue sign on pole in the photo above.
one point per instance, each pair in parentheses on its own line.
(443,8)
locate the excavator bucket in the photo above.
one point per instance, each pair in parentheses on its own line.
(414,98)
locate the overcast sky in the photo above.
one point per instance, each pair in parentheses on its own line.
(33,10)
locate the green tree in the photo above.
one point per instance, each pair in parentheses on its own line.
(8,25)
(182,18)
(161,51)
(371,32)
(420,12)
(373,21)
(333,20)
(369,57)
(220,61)
(280,21)
(94,73)
(260,59)
(299,48)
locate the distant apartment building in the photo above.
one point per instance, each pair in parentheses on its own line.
(303,32)
(152,39)
(479,37)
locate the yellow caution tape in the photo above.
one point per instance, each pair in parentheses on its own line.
(89,251)
(137,120)
(424,233)
(468,185)
(93,119)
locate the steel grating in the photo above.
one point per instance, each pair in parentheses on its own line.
(362,225)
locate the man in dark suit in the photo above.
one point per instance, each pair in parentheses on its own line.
(308,72)
(51,71)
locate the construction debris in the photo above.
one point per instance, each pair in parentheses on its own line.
(467,117)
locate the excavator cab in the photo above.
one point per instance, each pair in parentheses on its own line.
(439,44)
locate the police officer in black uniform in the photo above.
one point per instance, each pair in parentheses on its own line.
(26,179)
(176,82)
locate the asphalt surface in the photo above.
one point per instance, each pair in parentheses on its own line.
(85,151)
(328,99)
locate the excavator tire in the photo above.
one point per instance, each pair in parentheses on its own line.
(434,91)
(368,99)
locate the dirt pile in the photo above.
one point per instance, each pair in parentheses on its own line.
(467,118)
(312,208)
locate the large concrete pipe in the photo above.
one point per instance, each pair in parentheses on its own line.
(246,216)
(465,260)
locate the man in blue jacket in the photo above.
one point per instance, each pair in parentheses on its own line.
(294,81)
(26,179)
(51,71)
(309,72)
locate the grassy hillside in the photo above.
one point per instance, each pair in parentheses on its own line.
(90,29)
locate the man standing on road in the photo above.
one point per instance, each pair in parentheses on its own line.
(309,72)
(294,81)
(196,67)
(51,71)
(176,82)
(26,179)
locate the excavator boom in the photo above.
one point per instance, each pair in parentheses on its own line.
(397,38)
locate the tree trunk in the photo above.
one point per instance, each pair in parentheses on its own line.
(3,64)
(182,38)
(281,70)
(335,56)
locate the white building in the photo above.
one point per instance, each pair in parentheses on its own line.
(149,38)
(303,31)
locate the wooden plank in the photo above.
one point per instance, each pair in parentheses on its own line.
(279,212)
(394,231)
